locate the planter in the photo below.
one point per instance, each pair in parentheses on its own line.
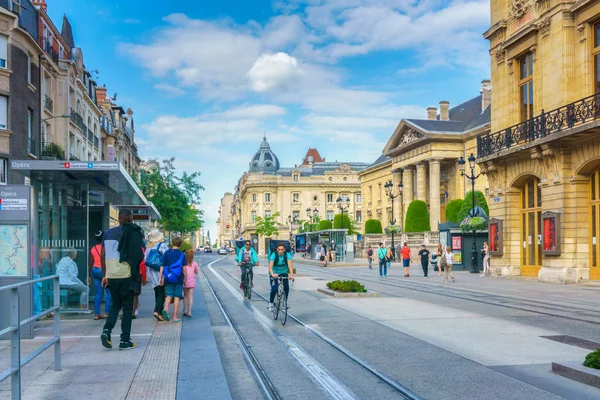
(334,293)
(578,372)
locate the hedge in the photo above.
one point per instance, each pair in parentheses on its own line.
(346,286)
(452,210)
(592,360)
(467,205)
(417,217)
(325,224)
(373,226)
(337,221)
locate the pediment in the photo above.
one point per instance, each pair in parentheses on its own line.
(404,134)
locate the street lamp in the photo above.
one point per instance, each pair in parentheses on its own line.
(343,205)
(389,191)
(472,177)
(312,216)
(291,221)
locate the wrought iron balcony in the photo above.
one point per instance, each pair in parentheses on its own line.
(48,103)
(53,150)
(547,123)
(78,120)
(72,157)
(31,147)
(51,51)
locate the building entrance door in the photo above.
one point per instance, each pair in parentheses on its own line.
(531,228)
(595,225)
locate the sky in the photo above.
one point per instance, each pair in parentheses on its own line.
(206,79)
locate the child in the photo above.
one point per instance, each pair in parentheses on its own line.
(173,290)
(189,284)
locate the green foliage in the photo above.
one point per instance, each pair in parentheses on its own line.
(393,229)
(346,286)
(308,226)
(348,223)
(325,225)
(185,246)
(214,246)
(174,197)
(452,210)
(467,205)
(473,224)
(592,360)
(373,226)
(417,217)
(267,226)
(54,150)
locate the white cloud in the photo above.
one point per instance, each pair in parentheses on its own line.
(274,72)
(170,90)
(255,111)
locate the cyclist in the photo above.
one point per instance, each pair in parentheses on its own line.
(280,265)
(247,258)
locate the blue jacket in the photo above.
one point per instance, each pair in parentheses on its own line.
(253,255)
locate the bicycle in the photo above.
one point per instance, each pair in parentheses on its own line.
(280,303)
(247,281)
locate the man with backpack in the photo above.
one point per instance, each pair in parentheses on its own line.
(121,258)
(246,259)
(370,257)
(172,275)
(280,265)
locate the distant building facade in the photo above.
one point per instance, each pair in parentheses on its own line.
(224,222)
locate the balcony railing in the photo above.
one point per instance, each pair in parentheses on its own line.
(53,150)
(96,142)
(72,157)
(48,103)
(51,51)
(547,123)
(31,147)
(78,120)
(90,135)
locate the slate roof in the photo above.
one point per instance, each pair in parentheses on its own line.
(67,32)
(463,117)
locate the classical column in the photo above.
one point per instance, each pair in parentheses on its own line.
(434,193)
(396,179)
(421,181)
(407,181)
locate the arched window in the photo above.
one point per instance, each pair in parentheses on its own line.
(531,227)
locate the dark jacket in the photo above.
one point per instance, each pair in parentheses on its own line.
(130,247)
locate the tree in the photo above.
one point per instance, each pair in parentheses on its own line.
(373,226)
(325,225)
(348,223)
(452,210)
(467,205)
(417,217)
(308,226)
(173,196)
(267,226)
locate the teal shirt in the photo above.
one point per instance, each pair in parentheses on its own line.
(280,267)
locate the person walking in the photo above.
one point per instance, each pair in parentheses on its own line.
(68,272)
(189,284)
(405,253)
(322,256)
(425,255)
(155,251)
(95,274)
(370,257)
(382,254)
(121,258)
(174,263)
(333,251)
(439,252)
(448,260)
(486,259)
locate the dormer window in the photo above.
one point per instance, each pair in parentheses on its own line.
(310,159)
(296,177)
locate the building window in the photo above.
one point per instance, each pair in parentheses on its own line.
(526,86)
(254,198)
(267,214)
(30,143)
(330,215)
(3,51)
(358,198)
(296,197)
(3,112)
(295,216)
(310,159)
(267,197)
(344,197)
(596,54)
(370,193)
(253,217)
(359,216)
(29,69)
(380,192)
(330,197)
(296,177)
(3,171)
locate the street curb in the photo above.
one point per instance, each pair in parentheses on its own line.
(333,293)
(578,372)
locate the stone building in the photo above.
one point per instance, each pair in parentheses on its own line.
(19,88)
(224,225)
(424,155)
(543,157)
(268,188)
(376,204)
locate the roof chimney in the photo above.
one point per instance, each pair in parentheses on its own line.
(444,110)
(486,94)
(101,94)
(41,4)
(431,113)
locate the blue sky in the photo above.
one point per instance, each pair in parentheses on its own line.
(205,79)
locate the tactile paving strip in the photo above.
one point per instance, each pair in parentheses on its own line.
(156,377)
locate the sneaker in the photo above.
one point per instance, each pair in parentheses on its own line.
(136,313)
(445,281)
(270,308)
(241,285)
(128,345)
(106,340)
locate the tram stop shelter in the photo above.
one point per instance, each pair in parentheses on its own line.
(71,202)
(344,243)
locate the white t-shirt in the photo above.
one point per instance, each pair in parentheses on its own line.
(449,257)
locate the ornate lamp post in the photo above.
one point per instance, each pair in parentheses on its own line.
(389,191)
(472,177)
(312,216)
(343,205)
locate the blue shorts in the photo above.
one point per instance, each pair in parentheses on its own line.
(406,262)
(174,290)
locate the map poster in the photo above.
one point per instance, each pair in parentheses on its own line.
(13,250)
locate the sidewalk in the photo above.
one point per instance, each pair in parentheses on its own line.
(150,371)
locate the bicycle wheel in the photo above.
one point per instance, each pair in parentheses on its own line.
(248,286)
(284,310)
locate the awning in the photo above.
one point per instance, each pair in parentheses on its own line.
(106,180)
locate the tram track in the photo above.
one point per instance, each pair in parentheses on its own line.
(404,392)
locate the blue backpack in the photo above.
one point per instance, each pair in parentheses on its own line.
(154,259)
(173,272)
